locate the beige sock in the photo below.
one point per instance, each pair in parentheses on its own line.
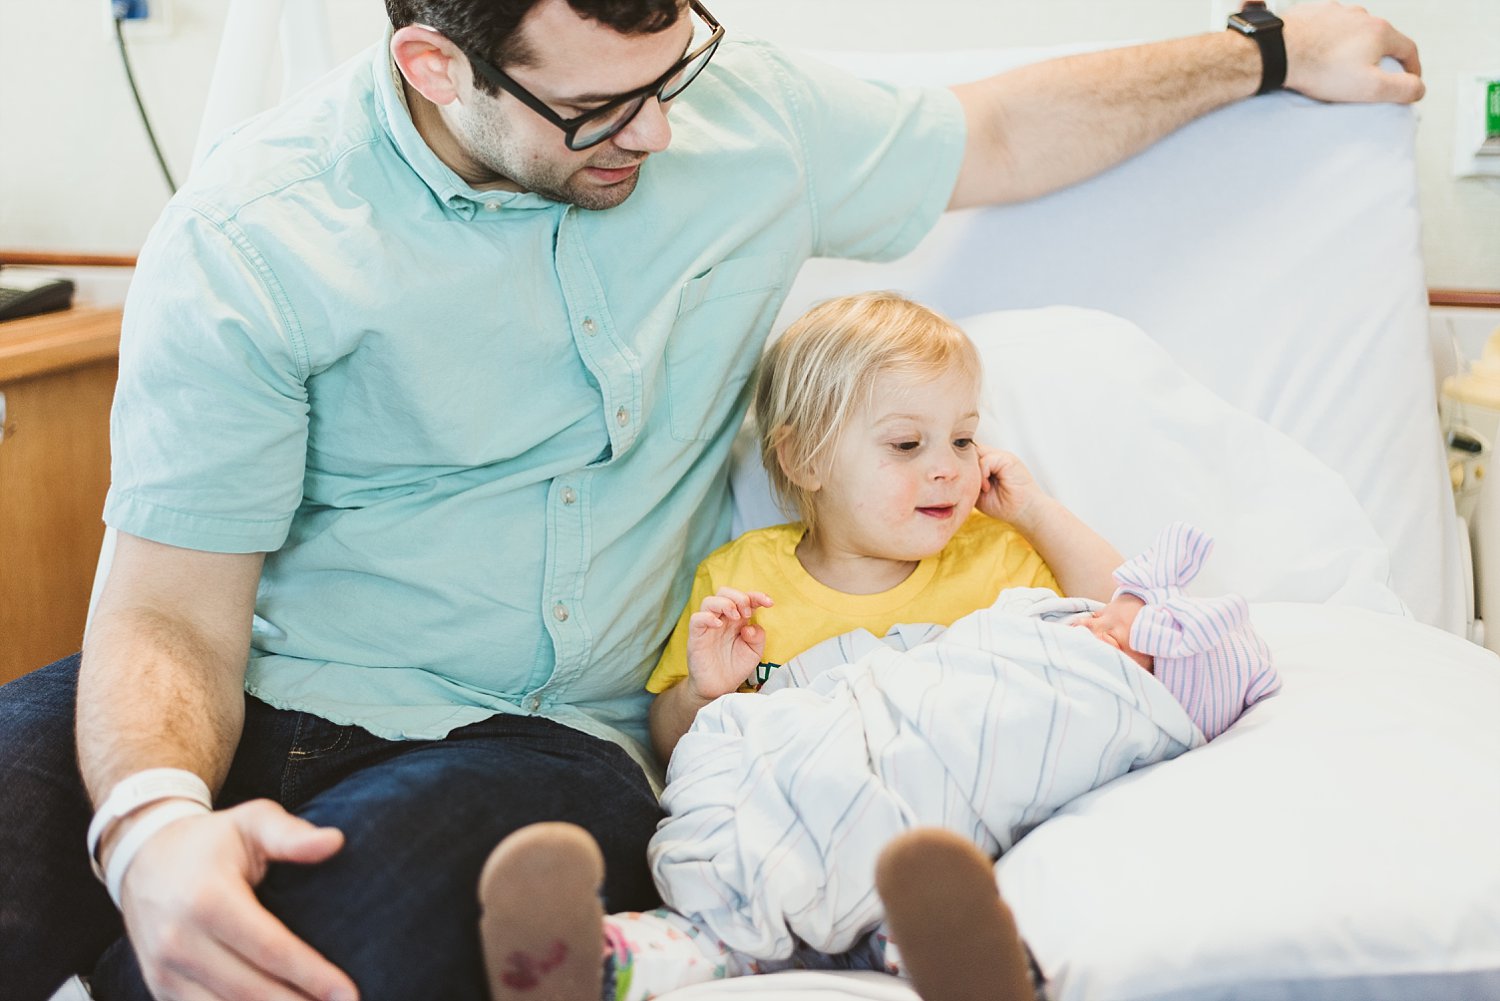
(541,924)
(957,940)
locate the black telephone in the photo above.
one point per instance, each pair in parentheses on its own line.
(27,293)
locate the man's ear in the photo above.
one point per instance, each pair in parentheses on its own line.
(798,473)
(432,64)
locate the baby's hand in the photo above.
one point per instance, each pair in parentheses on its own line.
(723,647)
(1006,489)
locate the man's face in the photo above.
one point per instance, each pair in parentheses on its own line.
(577,64)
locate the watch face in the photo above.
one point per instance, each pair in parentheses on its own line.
(1253,19)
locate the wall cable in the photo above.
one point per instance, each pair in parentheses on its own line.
(161,160)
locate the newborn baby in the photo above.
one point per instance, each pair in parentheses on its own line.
(1202,649)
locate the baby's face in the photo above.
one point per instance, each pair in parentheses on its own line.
(1112,625)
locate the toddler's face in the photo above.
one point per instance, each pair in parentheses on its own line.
(1112,625)
(905,473)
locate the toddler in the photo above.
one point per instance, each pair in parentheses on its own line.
(866,410)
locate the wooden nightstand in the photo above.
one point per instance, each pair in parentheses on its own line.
(57,379)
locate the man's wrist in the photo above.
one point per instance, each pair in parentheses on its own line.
(1265,31)
(144,824)
(1243,61)
(133,792)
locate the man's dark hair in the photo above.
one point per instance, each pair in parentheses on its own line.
(489,28)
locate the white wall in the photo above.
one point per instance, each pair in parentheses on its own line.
(77,175)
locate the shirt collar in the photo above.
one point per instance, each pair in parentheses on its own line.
(446,185)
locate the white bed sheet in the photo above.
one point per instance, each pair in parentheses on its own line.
(1347,828)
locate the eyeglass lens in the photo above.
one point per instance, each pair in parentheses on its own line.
(596,130)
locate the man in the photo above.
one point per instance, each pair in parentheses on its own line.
(427,385)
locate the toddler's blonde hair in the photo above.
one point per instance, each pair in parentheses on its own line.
(824,367)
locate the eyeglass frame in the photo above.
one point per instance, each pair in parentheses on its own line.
(571,126)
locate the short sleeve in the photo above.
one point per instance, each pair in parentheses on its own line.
(882,160)
(208,432)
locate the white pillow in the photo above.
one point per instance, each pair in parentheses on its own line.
(1339,842)
(1114,428)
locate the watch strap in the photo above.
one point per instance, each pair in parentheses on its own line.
(1268,38)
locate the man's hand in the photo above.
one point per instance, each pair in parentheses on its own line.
(1007,490)
(723,646)
(197,928)
(1333,53)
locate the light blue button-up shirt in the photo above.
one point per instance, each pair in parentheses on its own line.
(483,435)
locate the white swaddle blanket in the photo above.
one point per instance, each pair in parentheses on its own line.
(779,803)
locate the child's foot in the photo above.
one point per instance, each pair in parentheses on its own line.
(540,919)
(957,939)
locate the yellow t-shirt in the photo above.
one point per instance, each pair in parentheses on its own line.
(983,558)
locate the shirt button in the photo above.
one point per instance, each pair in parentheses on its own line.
(560,612)
(533,703)
(622,416)
(589,326)
(568,496)
(492,206)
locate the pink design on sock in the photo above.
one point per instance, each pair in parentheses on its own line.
(525,972)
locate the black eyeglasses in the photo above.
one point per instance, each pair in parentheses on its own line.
(598,124)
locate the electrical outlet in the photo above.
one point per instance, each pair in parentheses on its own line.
(1469,127)
(140,19)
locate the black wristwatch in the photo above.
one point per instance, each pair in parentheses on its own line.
(1264,28)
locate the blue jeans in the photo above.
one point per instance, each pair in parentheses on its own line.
(396,908)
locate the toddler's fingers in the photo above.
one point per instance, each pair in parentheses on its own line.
(759,599)
(740,599)
(700,623)
(722,606)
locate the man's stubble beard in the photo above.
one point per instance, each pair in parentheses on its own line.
(490,144)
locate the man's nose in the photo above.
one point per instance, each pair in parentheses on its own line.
(648,131)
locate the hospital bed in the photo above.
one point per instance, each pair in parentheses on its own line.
(1230,329)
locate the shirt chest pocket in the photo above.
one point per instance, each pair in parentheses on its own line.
(723,318)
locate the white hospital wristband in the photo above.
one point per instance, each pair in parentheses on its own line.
(135,791)
(151,820)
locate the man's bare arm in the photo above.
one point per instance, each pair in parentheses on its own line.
(162,682)
(162,686)
(1046,126)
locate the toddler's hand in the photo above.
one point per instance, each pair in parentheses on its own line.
(723,646)
(1006,488)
